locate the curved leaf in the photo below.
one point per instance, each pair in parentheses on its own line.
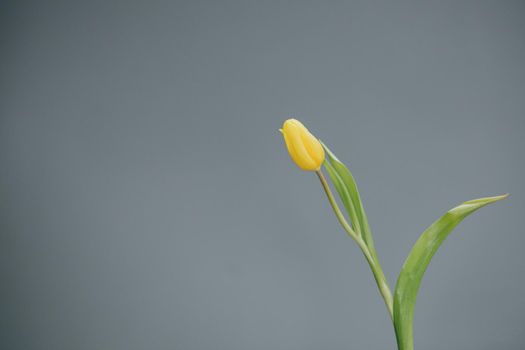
(416,263)
(346,187)
(342,190)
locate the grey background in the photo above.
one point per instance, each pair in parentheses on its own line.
(147,200)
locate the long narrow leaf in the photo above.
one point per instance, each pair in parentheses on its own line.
(346,187)
(342,190)
(416,263)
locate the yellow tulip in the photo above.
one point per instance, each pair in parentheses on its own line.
(304,148)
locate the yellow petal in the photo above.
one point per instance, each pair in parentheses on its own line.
(304,149)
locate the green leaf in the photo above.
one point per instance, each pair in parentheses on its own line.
(416,263)
(346,187)
(342,190)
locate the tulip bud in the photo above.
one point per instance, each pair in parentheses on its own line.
(305,150)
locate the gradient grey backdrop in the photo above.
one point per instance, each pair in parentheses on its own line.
(147,201)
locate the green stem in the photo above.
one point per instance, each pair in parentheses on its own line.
(379,276)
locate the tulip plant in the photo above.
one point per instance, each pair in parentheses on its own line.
(310,154)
